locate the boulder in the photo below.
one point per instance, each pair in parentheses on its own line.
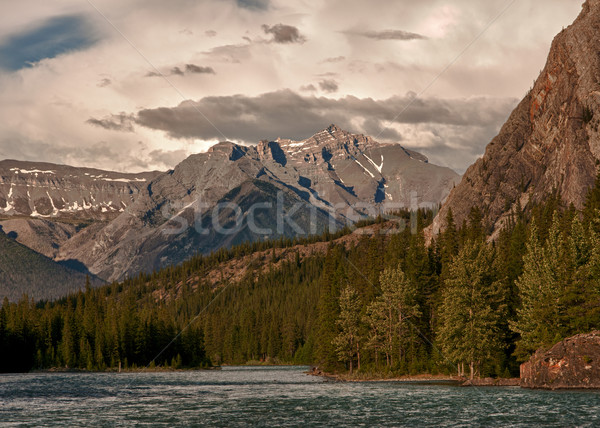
(573,363)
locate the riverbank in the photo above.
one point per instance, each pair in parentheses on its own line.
(156,369)
(420,378)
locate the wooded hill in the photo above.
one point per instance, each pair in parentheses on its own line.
(380,304)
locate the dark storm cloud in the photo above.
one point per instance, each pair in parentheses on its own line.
(116,122)
(253,4)
(449,123)
(198,69)
(49,39)
(388,35)
(328,85)
(284,33)
(176,71)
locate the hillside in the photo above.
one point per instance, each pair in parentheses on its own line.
(23,271)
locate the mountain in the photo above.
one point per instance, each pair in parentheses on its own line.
(277,188)
(24,271)
(45,190)
(551,139)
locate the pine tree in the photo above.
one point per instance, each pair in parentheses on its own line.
(472,308)
(391,315)
(347,342)
(540,287)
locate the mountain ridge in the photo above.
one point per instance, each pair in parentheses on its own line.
(550,141)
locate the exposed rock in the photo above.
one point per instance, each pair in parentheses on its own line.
(45,190)
(41,235)
(551,139)
(573,363)
(330,179)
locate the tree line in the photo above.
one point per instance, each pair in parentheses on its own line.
(387,305)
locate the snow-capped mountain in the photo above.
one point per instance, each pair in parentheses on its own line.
(276,188)
(47,190)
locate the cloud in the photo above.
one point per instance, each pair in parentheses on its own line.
(308,88)
(53,37)
(229,53)
(210,33)
(421,123)
(104,82)
(284,33)
(197,69)
(388,35)
(183,70)
(116,122)
(253,4)
(176,71)
(328,85)
(334,59)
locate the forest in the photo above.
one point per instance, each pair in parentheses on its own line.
(389,305)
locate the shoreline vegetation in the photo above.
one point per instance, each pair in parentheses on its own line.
(418,378)
(368,306)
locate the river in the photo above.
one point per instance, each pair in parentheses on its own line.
(276,396)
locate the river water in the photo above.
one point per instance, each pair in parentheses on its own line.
(275,396)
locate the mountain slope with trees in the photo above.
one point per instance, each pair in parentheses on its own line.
(379,304)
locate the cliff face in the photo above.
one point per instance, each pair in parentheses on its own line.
(45,190)
(573,363)
(333,178)
(550,141)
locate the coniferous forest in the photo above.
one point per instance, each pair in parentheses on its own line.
(388,305)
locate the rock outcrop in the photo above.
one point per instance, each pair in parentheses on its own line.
(45,190)
(330,179)
(573,363)
(550,141)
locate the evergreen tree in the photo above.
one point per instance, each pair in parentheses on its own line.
(540,287)
(347,342)
(472,309)
(391,315)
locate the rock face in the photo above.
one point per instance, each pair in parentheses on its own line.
(573,363)
(115,225)
(551,139)
(44,190)
(330,179)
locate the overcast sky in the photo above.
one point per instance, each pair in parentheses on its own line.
(141,84)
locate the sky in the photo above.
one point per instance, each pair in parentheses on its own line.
(135,85)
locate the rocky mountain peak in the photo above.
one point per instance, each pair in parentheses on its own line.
(550,141)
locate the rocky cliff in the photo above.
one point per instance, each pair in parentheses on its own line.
(550,141)
(285,187)
(573,363)
(45,190)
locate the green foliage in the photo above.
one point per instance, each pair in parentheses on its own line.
(376,304)
(346,343)
(473,306)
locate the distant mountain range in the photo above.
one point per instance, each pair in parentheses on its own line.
(114,225)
